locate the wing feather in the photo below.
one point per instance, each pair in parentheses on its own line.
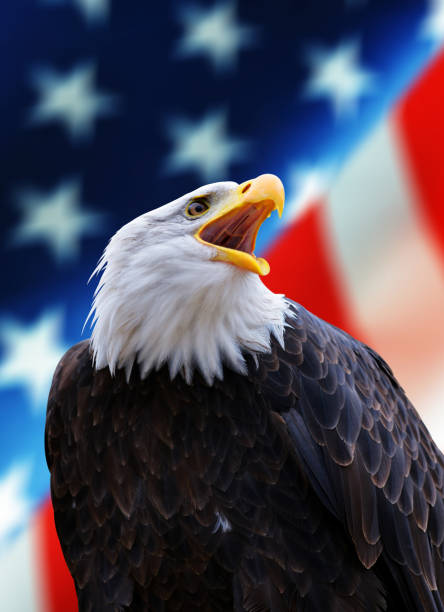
(365,450)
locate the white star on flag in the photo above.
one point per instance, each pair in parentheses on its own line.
(433,25)
(94,11)
(15,507)
(216,33)
(72,99)
(337,75)
(31,353)
(204,146)
(307,185)
(56,219)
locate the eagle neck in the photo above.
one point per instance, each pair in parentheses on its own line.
(192,320)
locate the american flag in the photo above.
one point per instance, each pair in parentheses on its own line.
(110,108)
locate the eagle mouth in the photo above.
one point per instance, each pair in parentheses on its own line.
(238,228)
(234,230)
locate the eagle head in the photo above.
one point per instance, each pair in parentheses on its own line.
(180,284)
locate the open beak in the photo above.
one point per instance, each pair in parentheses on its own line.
(232,232)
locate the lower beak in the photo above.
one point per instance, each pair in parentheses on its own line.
(233,231)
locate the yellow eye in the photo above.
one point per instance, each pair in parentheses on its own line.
(198,207)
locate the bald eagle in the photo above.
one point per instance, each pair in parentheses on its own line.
(215,446)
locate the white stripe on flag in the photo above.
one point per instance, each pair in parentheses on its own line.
(19,588)
(367,207)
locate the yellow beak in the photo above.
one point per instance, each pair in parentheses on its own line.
(233,231)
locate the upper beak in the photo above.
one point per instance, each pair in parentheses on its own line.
(232,232)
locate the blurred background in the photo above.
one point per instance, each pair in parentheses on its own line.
(112,107)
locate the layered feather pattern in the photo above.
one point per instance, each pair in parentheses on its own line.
(307,483)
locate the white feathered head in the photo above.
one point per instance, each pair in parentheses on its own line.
(180,284)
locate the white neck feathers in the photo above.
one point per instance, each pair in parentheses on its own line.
(182,311)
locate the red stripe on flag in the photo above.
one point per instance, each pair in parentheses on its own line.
(419,124)
(303,267)
(58,585)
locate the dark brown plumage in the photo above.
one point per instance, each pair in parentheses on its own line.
(330,482)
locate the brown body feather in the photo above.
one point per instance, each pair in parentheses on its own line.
(332,486)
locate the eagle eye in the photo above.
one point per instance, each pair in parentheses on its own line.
(197,207)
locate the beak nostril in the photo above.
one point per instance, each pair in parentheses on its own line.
(246,188)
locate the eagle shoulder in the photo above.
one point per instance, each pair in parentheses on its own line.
(367,453)
(68,376)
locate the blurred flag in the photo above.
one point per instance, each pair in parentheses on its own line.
(111,108)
